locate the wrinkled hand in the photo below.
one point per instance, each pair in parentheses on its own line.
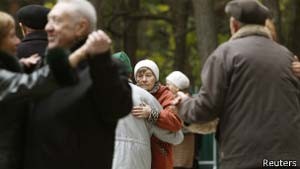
(180,98)
(98,42)
(141,112)
(176,101)
(30,61)
(296,67)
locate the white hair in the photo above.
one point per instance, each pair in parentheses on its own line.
(85,9)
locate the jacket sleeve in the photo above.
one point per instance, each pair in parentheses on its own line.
(111,91)
(16,85)
(41,82)
(168,118)
(168,136)
(209,101)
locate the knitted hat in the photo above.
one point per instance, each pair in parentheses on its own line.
(123,57)
(248,11)
(179,79)
(148,64)
(33,16)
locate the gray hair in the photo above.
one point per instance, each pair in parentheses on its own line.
(85,9)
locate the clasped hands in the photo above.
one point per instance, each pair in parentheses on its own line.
(98,42)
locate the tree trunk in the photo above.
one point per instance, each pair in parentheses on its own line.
(179,9)
(13,6)
(296,29)
(205,27)
(98,6)
(293,27)
(131,30)
(276,16)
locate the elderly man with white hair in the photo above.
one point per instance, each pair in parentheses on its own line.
(248,84)
(73,128)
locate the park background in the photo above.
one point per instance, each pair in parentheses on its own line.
(177,34)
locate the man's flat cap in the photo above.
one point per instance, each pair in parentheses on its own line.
(248,11)
(33,16)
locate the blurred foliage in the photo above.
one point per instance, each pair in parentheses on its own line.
(156,39)
(49,4)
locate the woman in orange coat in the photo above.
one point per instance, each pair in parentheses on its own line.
(146,74)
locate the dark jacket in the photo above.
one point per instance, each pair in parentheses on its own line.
(12,122)
(248,83)
(34,42)
(15,88)
(74,127)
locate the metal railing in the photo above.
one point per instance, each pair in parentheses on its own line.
(214,161)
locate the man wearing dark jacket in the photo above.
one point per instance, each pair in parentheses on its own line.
(16,88)
(247,82)
(32,20)
(74,127)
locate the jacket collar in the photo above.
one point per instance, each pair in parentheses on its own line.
(250,30)
(9,62)
(155,88)
(36,35)
(82,65)
(78,44)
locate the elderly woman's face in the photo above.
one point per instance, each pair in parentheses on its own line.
(61,27)
(10,42)
(145,79)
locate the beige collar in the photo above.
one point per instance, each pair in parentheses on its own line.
(248,30)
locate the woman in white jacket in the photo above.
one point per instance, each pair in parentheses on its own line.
(132,141)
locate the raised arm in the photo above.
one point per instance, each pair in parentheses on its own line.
(209,101)
(42,81)
(15,85)
(111,91)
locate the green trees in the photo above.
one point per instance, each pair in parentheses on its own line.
(177,34)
